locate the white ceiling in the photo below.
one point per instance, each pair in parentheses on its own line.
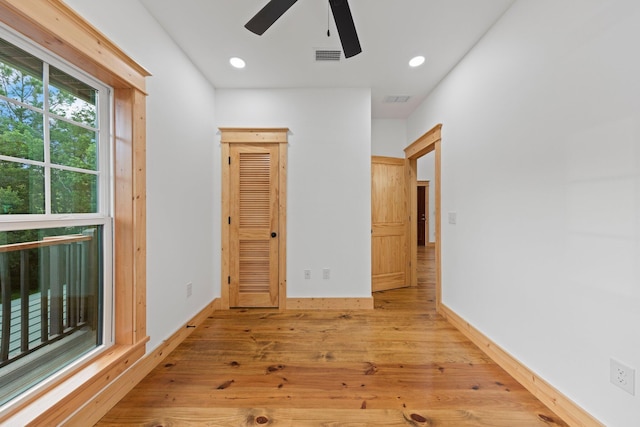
(391,32)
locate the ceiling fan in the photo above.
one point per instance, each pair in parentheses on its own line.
(341,14)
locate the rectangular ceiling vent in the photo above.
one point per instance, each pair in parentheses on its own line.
(390,99)
(328,55)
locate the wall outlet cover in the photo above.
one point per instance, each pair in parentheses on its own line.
(623,376)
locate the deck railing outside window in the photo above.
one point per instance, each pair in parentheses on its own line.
(57,308)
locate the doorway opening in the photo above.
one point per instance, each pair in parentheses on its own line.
(423,212)
(430,142)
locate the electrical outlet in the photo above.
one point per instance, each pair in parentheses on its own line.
(189,289)
(307,274)
(326,273)
(623,376)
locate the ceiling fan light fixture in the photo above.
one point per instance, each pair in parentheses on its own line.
(237,62)
(273,10)
(416,61)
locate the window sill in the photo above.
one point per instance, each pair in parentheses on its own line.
(76,388)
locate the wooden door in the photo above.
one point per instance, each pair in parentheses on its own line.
(421,216)
(254,226)
(389,224)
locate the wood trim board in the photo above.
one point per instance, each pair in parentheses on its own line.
(224,231)
(438,224)
(425,143)
(253,135)
(282,218)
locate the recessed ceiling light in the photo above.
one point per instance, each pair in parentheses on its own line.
(237,62)
(416,61)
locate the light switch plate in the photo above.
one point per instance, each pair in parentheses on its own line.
(453,218)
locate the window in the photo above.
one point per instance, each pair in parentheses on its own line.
(55,216)
(100,377)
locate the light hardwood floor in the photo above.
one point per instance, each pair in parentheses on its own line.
(398,365)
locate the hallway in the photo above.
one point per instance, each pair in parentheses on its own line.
(400,364)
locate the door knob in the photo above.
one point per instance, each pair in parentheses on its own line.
(274,234)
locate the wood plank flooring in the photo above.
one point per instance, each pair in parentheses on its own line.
(398,365)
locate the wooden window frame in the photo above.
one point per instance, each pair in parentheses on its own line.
(255,136)
(56,27)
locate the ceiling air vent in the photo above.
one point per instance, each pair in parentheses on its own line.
(328,55)
(390,99)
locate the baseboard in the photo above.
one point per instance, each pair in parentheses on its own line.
(101,403)
(330,303)
(561,405)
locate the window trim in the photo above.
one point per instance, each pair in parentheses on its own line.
(55,26)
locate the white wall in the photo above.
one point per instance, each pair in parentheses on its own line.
(388,137)
(329,181)
(180,170)
(541,162)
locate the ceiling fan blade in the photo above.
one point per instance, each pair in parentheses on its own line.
(346,27)
(268,15)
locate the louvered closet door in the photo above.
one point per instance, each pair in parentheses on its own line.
(254,226)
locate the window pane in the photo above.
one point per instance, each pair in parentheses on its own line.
(20,75)
(56,276)
(71,98)
(73,145)
(73,192)
(20,132)
(21,188)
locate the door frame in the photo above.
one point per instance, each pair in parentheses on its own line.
(430,141)
(254,136)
